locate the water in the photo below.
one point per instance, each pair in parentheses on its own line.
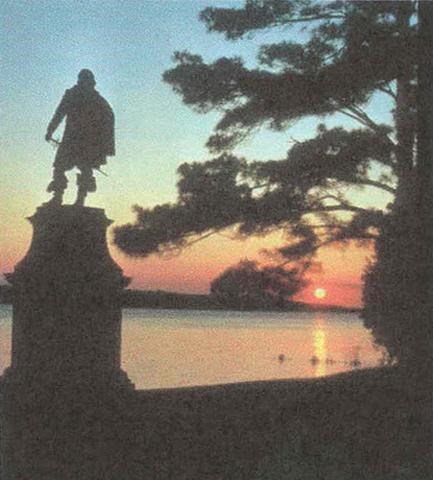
(174,348)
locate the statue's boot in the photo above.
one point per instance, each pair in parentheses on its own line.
(57,186)
(82,190)
(59,182)
(56,199)
(86,183)
(81,197)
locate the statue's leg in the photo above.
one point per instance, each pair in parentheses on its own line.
(86,183)
(57,185)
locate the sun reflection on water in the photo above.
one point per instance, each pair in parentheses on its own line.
(320,350)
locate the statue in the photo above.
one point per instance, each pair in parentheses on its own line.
(87,140)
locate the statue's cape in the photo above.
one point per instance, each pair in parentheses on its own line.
(90,120)
(89,130)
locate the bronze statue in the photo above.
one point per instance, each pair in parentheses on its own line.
(87,140)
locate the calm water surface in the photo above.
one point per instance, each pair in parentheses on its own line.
(173,348)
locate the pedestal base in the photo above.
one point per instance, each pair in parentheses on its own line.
(65,393)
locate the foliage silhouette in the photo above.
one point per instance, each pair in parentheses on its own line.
(247,286)
(352,52)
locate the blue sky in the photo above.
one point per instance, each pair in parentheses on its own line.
(128,45)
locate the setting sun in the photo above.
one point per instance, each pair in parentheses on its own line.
(320,293)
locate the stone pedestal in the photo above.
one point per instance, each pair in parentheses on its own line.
(65,375)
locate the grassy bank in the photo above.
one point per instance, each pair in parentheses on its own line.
(354,425)
(350,426)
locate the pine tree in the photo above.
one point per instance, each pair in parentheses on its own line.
(354,51)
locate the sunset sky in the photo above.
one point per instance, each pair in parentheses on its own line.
(128,45)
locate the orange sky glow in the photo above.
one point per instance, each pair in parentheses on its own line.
(192,270)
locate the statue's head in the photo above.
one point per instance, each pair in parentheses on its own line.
(86,78)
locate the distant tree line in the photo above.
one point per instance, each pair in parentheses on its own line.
(162,299)
(186,301)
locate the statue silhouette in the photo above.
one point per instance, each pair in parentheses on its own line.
(87,140)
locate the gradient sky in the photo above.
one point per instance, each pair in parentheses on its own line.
(128,45)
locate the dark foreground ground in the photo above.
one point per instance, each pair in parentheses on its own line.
(350,426)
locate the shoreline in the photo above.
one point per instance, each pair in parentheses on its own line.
(158,299)
(345,425)
(354,425)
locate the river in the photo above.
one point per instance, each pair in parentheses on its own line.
(175,348)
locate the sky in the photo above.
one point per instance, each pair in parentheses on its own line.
(128,45)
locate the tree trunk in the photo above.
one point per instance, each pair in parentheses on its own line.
(422,393)
(404,123)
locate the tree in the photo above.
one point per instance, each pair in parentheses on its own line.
(247,286)
(353,51)
(398,286)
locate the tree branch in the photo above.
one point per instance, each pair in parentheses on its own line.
(195,239)
(358,114)
(202,237)
(365,120)
(329,196)
(327,242)
(260,185)
(369,121)
(336,208)
(327,226)
(329,16)
(382,186)
(388,91)
(352,113)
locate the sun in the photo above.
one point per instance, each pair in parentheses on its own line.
(320,293)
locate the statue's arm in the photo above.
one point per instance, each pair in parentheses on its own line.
(58,116)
